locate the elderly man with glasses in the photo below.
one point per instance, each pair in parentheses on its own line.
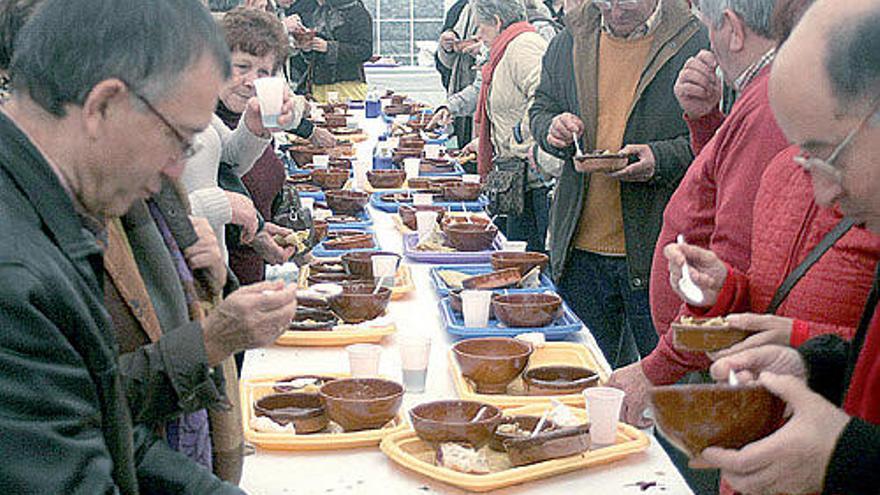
(607,81)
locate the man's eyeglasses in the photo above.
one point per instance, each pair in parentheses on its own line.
(825,167)
(187,147)
(623,4)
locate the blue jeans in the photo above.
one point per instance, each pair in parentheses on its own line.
(531,226)
(597,289)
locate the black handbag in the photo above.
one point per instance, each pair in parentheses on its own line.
(291,214)
(505,187)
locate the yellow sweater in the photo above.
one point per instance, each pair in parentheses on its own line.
(621,62)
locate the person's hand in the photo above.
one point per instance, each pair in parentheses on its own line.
(697,89)
(244,214)
(294,24)
(772,330)
(253,316)
(447,40)
(292,109)
(264,244)
(473,49)
(205,254)
(441,118)
(795,457)
(318,44)
(322,138)
(750,363)
(707,271)
(639,171)
(472,147)
(563,128)
(632,380)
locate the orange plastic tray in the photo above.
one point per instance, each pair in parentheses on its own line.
(253,388)
(552,353)
(405,448)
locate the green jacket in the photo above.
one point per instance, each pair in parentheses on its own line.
(655,119)
(64,416)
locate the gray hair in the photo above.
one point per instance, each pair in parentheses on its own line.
(853,61)
(509,11)
(69,46)
(756,14)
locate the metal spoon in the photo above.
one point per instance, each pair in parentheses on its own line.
(691,291)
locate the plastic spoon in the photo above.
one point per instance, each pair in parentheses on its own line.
(491,221)
(577,145)
(379,284)
(731,378)
(479,415)
(686,283)
(540,422)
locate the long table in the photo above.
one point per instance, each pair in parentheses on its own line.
(367,470)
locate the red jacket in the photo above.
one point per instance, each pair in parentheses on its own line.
(713,206)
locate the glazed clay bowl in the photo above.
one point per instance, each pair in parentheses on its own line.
(412,141)
(303,155)
(523,262)
(558,380)
(397,108)
(471,237)
(398,155)
(331,278)
(330,178)
(299,178)
(321,228)
(462,191)
(563,442)
(694,417)
(386,179)
(360,263)
(313,320)
(306,384)
(307,188)
(408,214)
(335,120)
(356,241)
(361,403)
(420,183)
(527,310)
(500,279)
(303,410)
(338,162)
(523,423)
(347,202)
(700,336)
(312,303)
(450,220)
(491,363)
(357,303)
(600,162)
(450,421)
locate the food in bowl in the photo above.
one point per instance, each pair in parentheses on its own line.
(706,334)
(558,380)
(512,427)
(304,411)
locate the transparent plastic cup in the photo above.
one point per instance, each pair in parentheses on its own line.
(432,151)
(321,160)
(384,268)
(425,221)
(415,351)
(411,167)
(514,246)
(423,199)
(363,360)
(603,409)
(270,93)
(475,307)
(360,173)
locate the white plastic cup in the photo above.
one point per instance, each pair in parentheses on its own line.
(514,246)
(415,351)
(472,178)
(321,160)
(332,96)
(432,151)
(423,199)
(308,203)
(411,167)
(425,222)
(394,141)
(475,307)
(603,410)
(384,268)
(363,360)
(351,122)
(360,173)
(270,93)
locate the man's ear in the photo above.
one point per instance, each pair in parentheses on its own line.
(737,31)
(104,98)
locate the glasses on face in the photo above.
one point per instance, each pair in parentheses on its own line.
(825,167)
(623,4)
(187,147)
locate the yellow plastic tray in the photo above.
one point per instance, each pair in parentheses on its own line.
(405,448)
(552,353)
(339,336)
(403,282)
(250,390)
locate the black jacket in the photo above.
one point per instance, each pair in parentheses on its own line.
(655,119)
(348,29)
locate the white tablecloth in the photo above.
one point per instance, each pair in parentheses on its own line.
(367,470)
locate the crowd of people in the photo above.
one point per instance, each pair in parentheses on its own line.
(139,190)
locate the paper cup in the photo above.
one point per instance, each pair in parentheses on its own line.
(432,151)
(360,173)
(321,160)
(425,222)
(411,167)
(472,178)
(603,410)
(415,351)
(384,268)
(475,307)
(515,246)
(270,93)
(423,199)
(363,360)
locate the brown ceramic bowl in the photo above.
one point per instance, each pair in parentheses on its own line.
(701,336)
(303,410)
(326,266)
(408,213)
(450,421)
(312,302)
(303,155)
(357,303)
(527,310)
(321,228)
(330,178)
(340,233)
(525,424)
(335,120)
(563,442)
(471,237)
(360,263)
(492,362)
(361,403)
(558,380)
(398,99)
(430,167)
(334,108)
(357,241)
(310,388)
(398,109)
(307,188)
(459,219)
(521,261)
(462,191)
(600,162)
(694,417)
(420,183)
(398,155)
(500,279)
(412,141)
(312,320)
(332,278)
(347,202)
(339,162)
(386,179)
(338,219)
(299,178)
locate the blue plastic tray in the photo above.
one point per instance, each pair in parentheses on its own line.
(563,327)
(443,289)
(391,207)
(320,252)
(365,220)
(411,240)
(317,195)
